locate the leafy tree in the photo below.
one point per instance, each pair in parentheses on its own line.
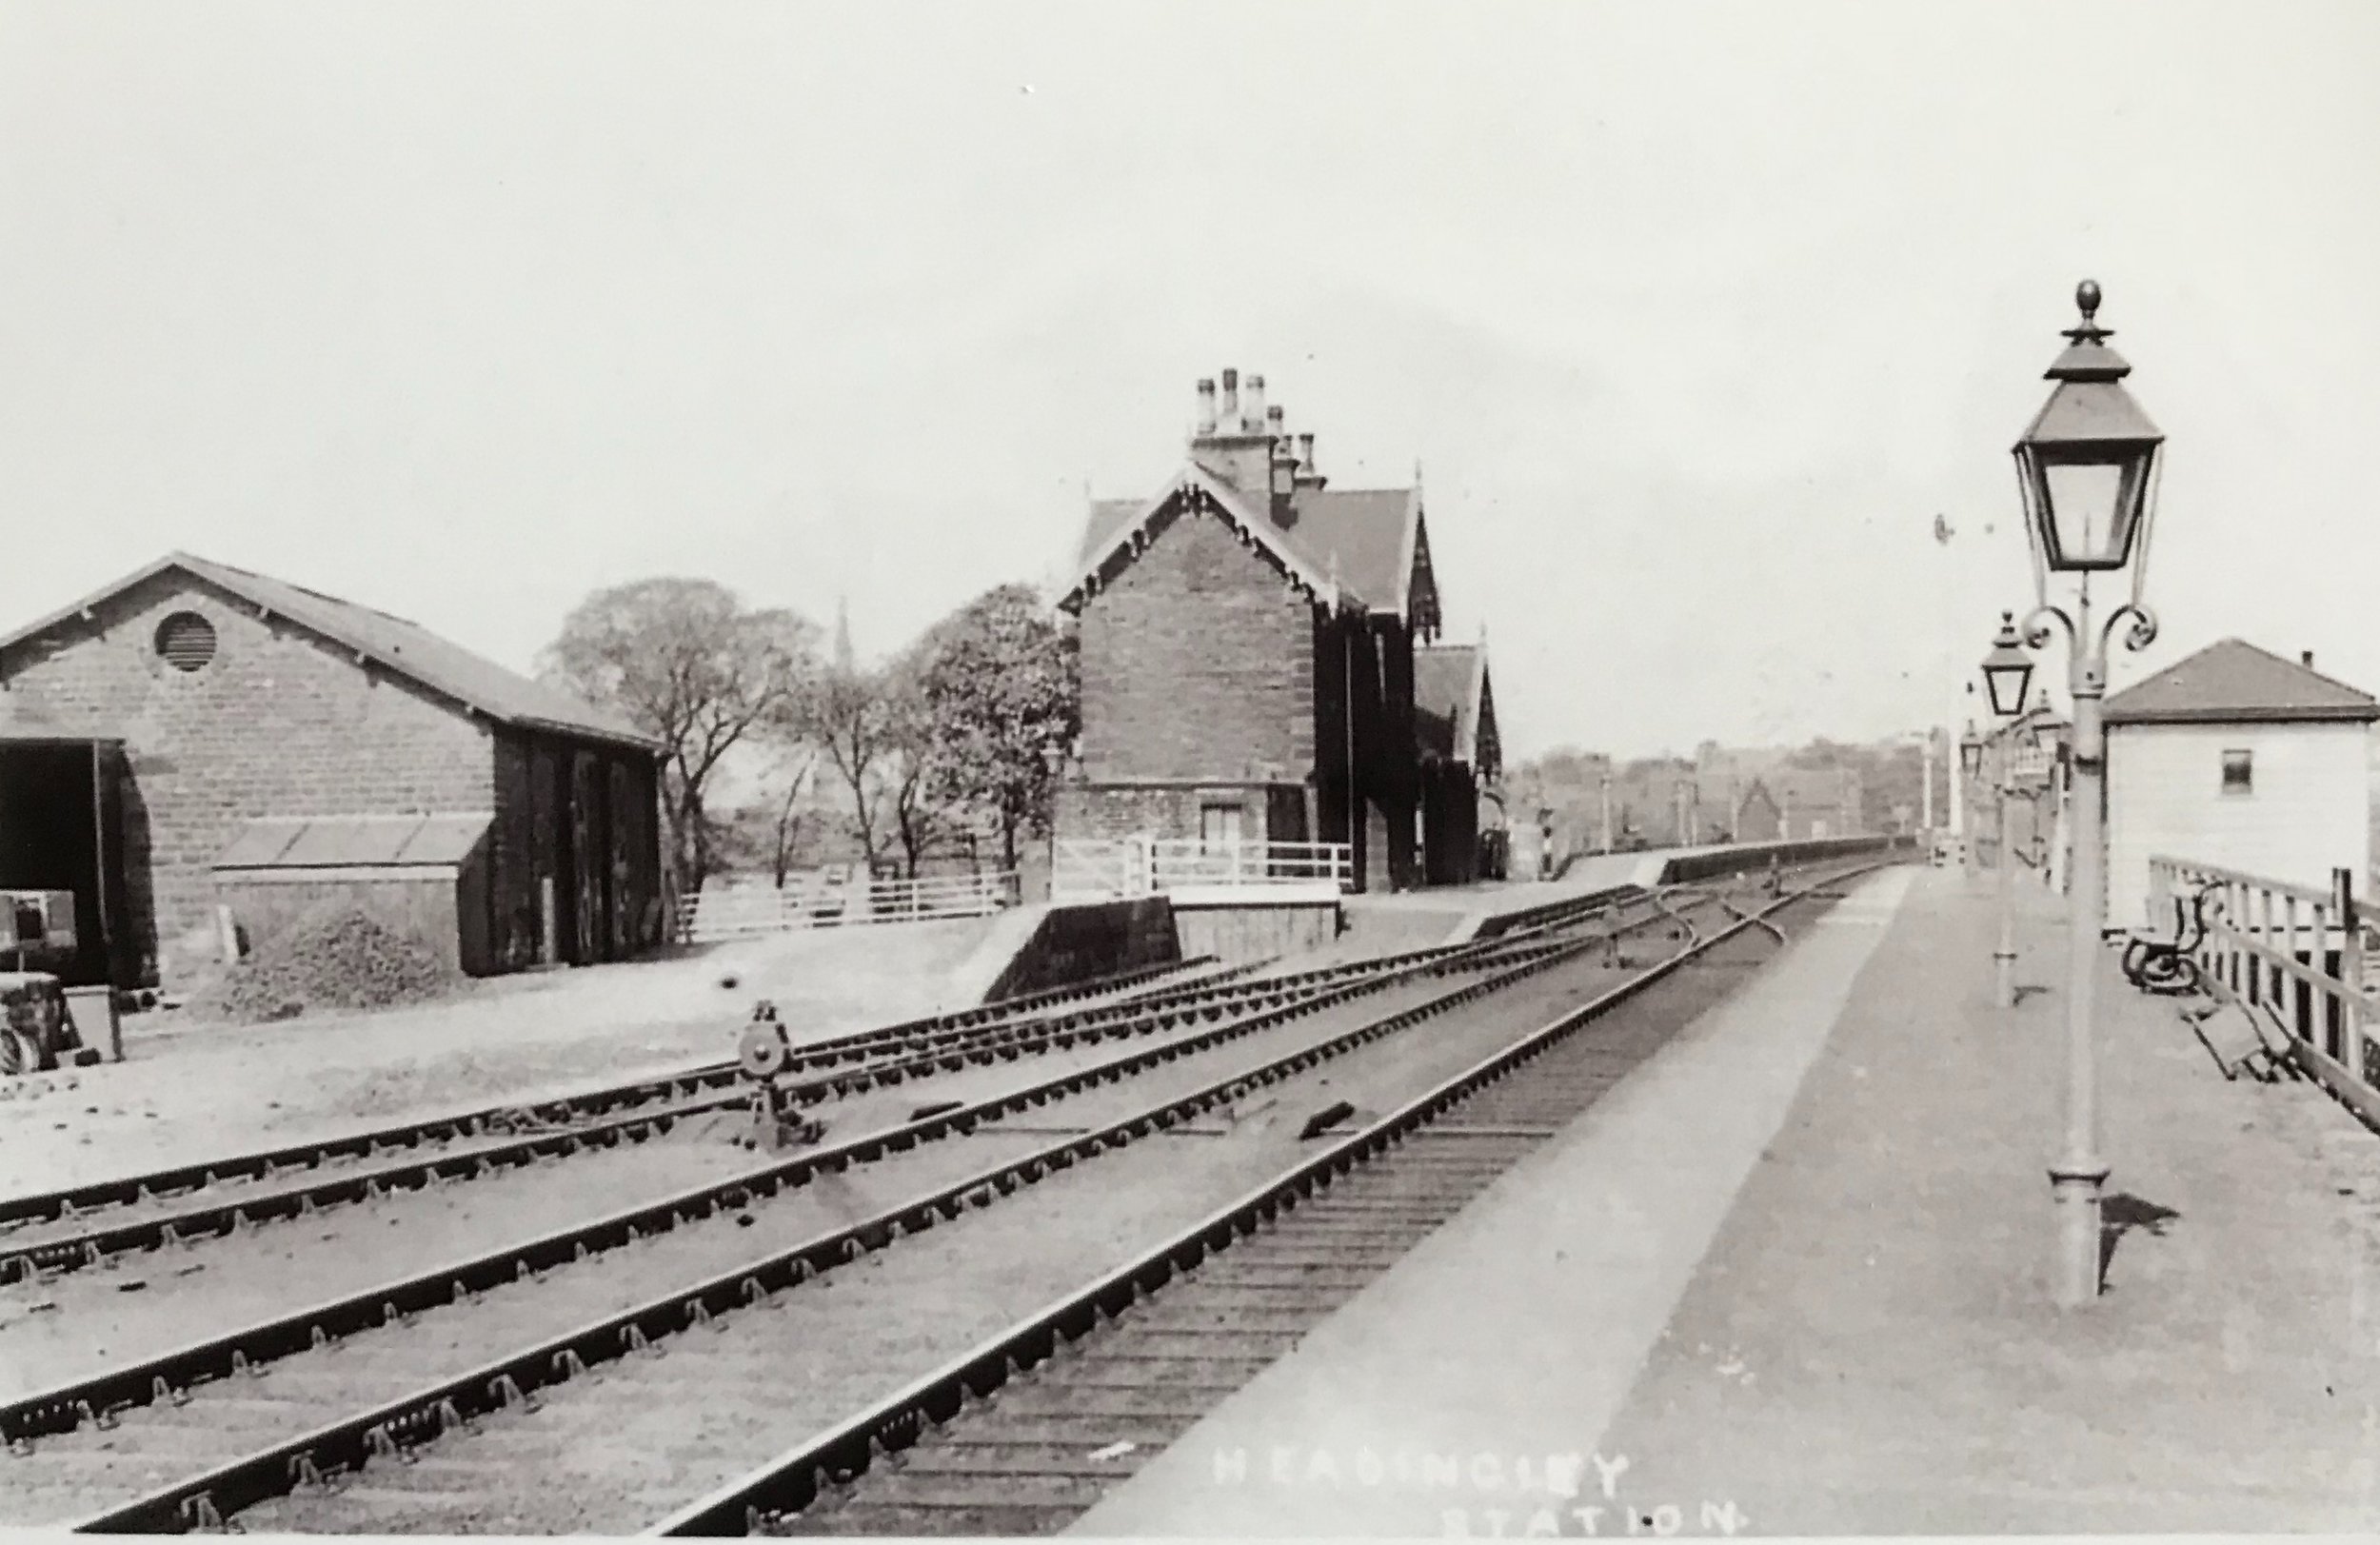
(686,662)
(998,691)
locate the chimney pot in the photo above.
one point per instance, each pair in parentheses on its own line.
(1207,405)
(2306,658)
(1305,451)
(1254,418)
(1231,394)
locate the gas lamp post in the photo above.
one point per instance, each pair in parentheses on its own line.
(1970,769)
(2087,469)
(2007,675)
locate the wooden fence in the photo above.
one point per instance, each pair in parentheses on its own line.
(2294,955)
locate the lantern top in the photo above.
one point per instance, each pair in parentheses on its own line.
(2087,356)
(2008,650)
(2088,407)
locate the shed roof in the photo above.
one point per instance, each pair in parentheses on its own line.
(404,648)
(2234,681)
(339,842)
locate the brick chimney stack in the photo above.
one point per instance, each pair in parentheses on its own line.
(1236,445)
(1309,476)
(1285,467)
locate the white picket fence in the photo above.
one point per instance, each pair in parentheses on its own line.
(745,911)
(1095,868)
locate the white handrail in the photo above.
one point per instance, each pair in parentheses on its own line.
(1145,866)
(734,912)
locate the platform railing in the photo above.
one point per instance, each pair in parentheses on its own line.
(1086,868)
(2295,954)
(746,911)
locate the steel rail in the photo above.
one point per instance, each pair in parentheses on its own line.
(262,1163)
(388,1429)
(64,1408)
(944,1052)
(795,1478)
(934,1051)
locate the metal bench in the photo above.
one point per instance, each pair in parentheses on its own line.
(2166,966)
(2241,1040)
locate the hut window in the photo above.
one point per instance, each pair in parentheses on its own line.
(186,640)
(2239,772)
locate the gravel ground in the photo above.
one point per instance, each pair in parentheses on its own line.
(710,1407)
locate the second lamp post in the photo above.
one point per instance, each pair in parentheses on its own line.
(2007,675)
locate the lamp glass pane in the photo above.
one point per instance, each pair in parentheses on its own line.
(2084,501)
(2006,686)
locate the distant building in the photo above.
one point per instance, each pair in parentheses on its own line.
(1758,819)
(1248,639)
(2238,758)
(195,735)
(1781,802)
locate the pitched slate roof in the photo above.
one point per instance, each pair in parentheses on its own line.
(1371,534)
(1448,690)
(1368,538)
(405,648)
(2234,681)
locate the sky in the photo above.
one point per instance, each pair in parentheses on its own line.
(1693,317)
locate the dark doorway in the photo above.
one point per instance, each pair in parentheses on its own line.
(60,829)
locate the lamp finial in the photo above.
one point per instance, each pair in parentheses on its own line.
(2088,330)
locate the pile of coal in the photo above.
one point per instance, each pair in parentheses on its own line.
(331,960)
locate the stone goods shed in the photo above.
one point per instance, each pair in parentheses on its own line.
(176,741)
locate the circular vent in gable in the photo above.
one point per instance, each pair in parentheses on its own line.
(186,640)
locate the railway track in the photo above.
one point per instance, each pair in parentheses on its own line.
(45,1206)
(156,1386)
(88,1226)
(324,1351)
(320,1465)
(1026,1430)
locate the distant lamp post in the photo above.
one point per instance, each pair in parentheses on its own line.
(2088,470)
(2006,674)
(1970,769)
(2006,671)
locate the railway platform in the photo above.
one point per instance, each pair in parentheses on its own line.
(1793,1276)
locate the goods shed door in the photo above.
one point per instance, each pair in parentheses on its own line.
(590,855)
(62,829)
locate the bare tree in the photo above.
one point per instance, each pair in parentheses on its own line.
(688,663)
